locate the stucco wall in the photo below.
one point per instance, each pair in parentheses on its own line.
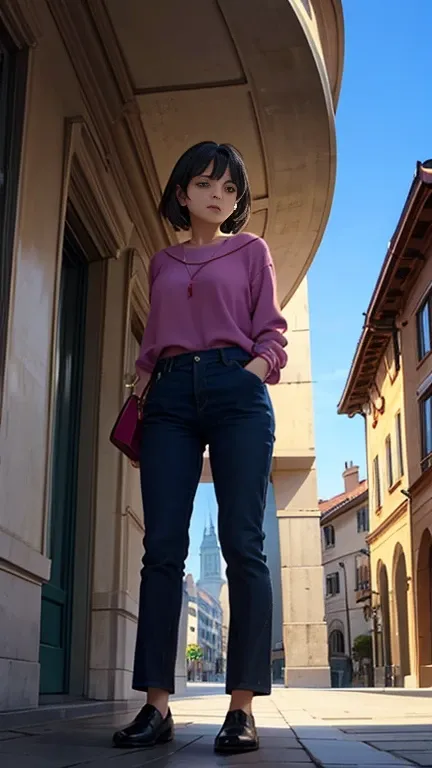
(348,543)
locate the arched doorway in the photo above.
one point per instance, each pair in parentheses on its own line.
(402,628)
(424,607)
(384,640)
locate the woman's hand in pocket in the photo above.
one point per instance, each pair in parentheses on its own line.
(259,367)
(134,464)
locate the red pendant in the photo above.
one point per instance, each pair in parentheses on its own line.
(190,290)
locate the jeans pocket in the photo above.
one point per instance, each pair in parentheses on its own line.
(246,371)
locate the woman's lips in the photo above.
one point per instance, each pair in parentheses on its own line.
(214,208)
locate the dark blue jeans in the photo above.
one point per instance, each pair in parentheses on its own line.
(199,399)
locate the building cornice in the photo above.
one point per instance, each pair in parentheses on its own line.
(388,523)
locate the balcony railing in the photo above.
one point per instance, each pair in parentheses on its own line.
(363,592)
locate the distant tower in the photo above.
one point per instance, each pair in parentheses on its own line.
(210,571)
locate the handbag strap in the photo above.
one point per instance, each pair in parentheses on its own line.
(141,398)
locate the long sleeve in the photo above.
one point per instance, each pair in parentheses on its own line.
(268,323)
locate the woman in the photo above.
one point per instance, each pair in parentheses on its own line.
(214,337)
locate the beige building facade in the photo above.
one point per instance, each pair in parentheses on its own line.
(389,384)
(101,98)
(344,529)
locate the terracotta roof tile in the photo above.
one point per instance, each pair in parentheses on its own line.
(328,505)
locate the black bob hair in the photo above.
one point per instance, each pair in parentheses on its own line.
(193,163)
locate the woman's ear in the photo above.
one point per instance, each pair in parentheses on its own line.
(181,196)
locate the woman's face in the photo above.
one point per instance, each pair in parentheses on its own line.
(210,200)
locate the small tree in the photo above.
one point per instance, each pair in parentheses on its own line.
(194,652)
(362,647)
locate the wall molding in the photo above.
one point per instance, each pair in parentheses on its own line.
(20,559)
(21,19)
(97,58)
(96,198)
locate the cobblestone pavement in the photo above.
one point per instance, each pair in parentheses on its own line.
(298,728)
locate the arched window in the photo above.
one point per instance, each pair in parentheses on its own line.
(336,643)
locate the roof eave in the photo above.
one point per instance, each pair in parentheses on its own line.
(422,180)
(346,506)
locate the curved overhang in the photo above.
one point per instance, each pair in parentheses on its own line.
(331,28)
(253,74)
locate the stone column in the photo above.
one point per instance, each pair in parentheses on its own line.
(294,482)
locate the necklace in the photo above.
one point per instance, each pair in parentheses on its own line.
(198,264)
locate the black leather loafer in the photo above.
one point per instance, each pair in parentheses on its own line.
(148,729)
(238,734)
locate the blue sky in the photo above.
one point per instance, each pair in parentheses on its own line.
(384,125)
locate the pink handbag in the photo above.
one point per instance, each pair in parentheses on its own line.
(126,433)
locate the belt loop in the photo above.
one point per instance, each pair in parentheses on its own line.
(223,357)
(170,364)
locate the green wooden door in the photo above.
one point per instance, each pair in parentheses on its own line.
(57,595)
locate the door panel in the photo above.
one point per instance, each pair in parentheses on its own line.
(57,594)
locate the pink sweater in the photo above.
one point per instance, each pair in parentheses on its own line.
(224,296)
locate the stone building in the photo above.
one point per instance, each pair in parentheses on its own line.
(345,526)
(100,98)
(390,384)
(205,628)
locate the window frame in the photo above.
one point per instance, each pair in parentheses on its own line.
(365,517)
(389,462)
(425,456)
(13,89)
(399,445)
(377,483)
(336,633)
(362,568)
(332,578)
(422,352)
(331,543)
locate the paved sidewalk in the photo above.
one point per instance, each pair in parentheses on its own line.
(298,728)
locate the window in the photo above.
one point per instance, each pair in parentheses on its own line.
(192,629)
(399,450)
(362,576)
(424,329)
(329,536)
(392,356)
(363,520)
(426,430)
(389,459)
(13,74)
(336,642)
(332,584)
(377,483)
(191,611)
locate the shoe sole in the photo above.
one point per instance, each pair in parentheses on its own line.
(235,750)
(164,739)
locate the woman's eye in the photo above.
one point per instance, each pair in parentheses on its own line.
(203,184)
(230,190)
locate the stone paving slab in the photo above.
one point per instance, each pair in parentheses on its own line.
(298,728)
